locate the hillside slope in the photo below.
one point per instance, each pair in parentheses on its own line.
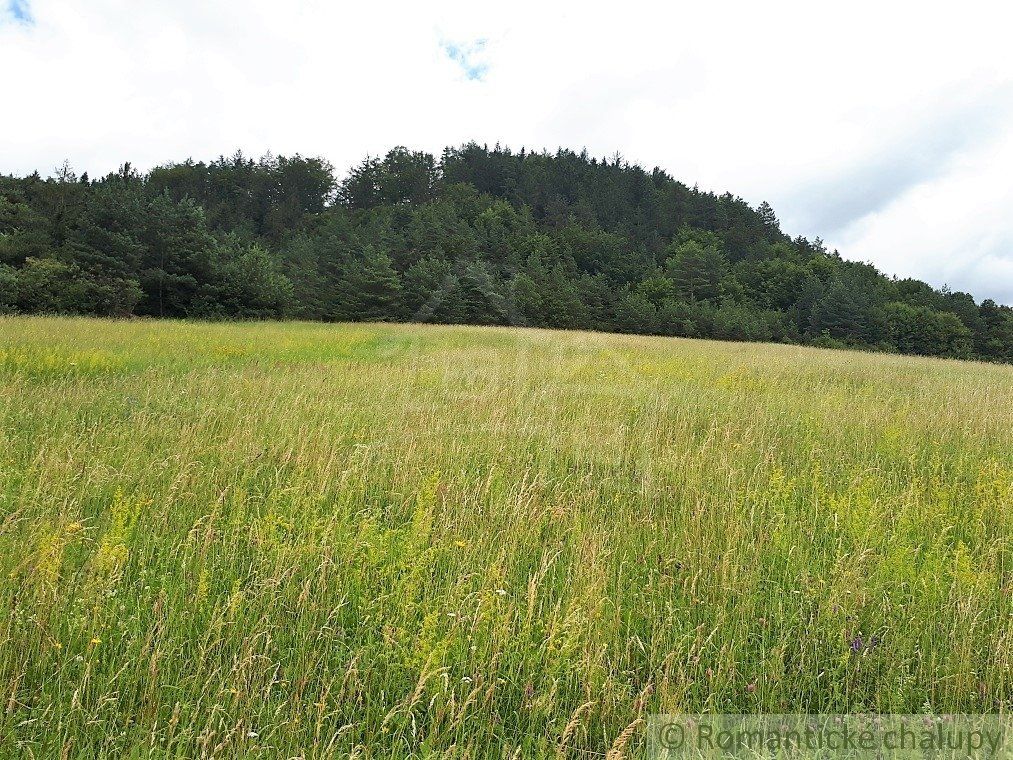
(480,236)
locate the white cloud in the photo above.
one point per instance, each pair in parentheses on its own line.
(883,127)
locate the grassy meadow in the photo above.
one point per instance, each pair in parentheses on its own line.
(381,541)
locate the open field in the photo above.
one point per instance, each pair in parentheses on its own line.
(304,540)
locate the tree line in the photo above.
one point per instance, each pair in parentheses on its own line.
(478,236)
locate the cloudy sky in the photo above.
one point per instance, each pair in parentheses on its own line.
(886,128)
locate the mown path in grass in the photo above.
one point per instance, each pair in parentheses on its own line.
(315,540)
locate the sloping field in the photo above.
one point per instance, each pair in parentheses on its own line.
(303,540)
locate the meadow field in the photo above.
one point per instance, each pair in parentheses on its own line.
(383,541)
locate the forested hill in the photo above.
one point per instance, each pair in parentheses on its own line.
(483,236)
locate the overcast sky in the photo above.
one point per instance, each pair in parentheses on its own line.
(886,128)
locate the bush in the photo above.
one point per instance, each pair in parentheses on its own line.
(51,286)
(8,288)
(921,330)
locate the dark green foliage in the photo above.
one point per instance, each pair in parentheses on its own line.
(179,257)
(634,313)
(263,198)
(245,282)
(994,340)
(481,236)
(920,330)
(52,286)
(24,231)
(698,267)
(368,288)
(8,288)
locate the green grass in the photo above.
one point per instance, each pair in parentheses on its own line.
(301,540)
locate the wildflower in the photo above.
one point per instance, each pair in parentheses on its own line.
(74,527)
(466,679)
(857,644)
(501,592)
(57,645)
(751,687)
(252,734)
(95,640)
(460,544)
(529,691)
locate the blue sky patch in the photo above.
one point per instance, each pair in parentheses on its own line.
(465,55)
(19,11)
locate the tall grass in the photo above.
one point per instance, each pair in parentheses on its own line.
(296,540)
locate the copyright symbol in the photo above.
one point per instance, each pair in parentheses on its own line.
(673,736)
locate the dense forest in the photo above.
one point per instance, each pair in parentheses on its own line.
(479,236)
